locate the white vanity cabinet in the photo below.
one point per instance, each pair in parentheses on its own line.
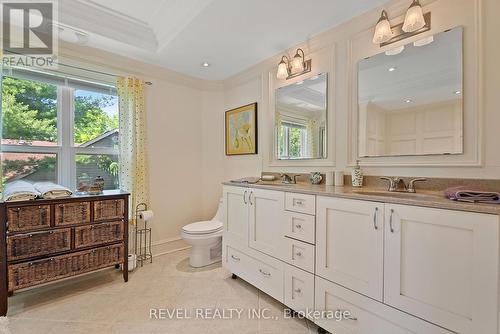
(396,269)
(442,266)
(350,244)
(266,218)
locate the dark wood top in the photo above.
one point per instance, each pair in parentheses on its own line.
(107,194)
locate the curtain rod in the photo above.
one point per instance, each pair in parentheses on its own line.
(149,83)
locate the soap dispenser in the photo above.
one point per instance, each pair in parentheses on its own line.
(357,175)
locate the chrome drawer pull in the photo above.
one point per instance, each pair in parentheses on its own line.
(235,258)
(298,254)
(298,291)
(298,226)
(375,219)
(264,272)
(299,202)
(245,197)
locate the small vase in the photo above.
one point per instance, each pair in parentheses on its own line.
(357,176)
(316,178)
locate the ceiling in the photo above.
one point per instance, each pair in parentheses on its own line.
(231,35)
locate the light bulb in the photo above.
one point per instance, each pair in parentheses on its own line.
(282,70)
(297,63)
(383,32)
(414,19)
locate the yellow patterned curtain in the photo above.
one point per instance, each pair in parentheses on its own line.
(134,174)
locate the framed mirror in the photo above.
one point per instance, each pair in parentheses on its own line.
(410,99)
(301,119)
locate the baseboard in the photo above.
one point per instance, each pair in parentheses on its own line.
(167,246)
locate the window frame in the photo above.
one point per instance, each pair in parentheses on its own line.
(65,149)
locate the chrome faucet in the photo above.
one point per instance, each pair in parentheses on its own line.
(394,183)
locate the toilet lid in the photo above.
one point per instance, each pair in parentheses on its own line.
(204,227)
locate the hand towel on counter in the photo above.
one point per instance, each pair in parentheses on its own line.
(472,195)
(50,190)
(19,191)
(249,180)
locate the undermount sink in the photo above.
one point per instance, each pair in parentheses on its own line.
(394,194)
(276,184)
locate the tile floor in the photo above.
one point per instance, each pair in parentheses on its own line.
(102,303)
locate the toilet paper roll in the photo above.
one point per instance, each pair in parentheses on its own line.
(146,215)
(330,178)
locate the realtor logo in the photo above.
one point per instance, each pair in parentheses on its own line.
(28,33)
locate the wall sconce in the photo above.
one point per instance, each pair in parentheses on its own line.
(288,69)
(416,22)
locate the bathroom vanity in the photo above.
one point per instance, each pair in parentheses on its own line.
(398,263)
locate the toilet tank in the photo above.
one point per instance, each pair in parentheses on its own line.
(218,215)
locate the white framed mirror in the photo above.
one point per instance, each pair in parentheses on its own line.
(410,99)
(301,119)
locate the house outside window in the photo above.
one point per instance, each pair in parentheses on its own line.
(58,129)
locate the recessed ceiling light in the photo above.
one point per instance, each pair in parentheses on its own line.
(205,64)
(392,69)
(457,92)
(408,100)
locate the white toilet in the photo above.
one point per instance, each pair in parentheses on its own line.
(205,238)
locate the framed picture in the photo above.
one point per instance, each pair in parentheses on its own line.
(241,130)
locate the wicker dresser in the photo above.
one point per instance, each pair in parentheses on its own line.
(47,240)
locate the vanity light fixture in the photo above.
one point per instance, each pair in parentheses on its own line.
(416,22)
(383,31)
(414,19)
(288,69)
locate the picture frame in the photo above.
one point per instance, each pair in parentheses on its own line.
(241,131)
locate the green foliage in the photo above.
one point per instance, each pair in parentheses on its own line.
(29,112)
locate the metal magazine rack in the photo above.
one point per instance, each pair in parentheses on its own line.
(142,236)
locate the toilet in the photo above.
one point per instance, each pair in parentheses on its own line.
(205,238)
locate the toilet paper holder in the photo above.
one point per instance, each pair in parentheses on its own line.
(142,236)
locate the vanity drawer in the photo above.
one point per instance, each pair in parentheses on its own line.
(265,273)
(300,203)
(299,254)
(299,289)
(300,226)
(364,315)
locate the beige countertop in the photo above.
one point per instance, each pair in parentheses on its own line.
(425,198)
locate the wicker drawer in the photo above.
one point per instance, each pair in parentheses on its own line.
(34,244)
(27,274)
(98,234)
(72,213)
(109,209)
(28,218)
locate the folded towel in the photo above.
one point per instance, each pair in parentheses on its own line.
(19,191)
(249,180)
(50,190)
(472,194)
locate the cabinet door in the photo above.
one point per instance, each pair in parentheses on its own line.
(350,244)
(236,216)
(267,212)
(442,266)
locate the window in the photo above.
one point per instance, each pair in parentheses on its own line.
(58,129)
(293,140)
